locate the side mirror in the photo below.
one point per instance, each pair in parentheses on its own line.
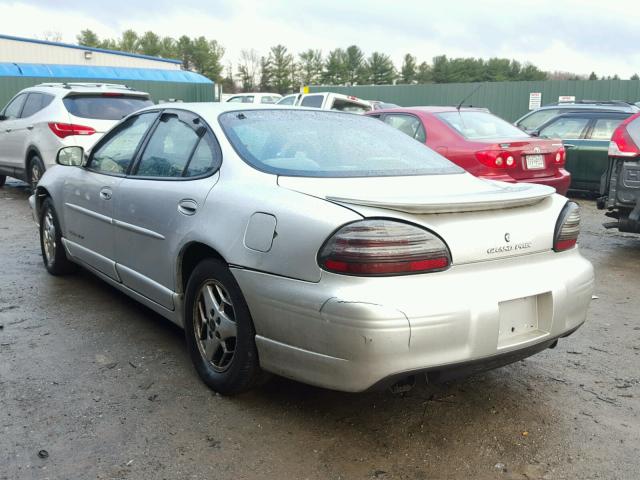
(534,133)
(70,156)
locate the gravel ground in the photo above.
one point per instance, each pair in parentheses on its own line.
(103,388)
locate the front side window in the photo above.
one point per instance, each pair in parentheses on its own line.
(115,154)
(536,119)
(565,128)
(34,103)
(169,149)
(475,125)
(604,127)
(104,106)
(15,106)
(313,101)
(327,144)
(407,124)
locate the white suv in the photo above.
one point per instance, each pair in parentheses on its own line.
(40,120)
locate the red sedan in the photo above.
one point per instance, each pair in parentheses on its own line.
(483,144)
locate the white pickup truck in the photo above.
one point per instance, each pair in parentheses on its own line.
(328,101)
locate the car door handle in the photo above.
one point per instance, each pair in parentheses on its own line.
(30,127)
(106,193)
(8,130)
(187,207)
(569,145)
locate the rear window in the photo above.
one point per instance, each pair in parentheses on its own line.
(480,125)
(328,144)
(104,107)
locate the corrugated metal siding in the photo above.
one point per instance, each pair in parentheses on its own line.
(187,92)
(510,100)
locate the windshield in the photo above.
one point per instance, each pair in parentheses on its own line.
(104,106)
(480,125)
(327,144)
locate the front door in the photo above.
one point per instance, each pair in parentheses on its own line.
(10,135)
(161,200)
(89,194)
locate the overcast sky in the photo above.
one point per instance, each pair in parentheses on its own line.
(569,35)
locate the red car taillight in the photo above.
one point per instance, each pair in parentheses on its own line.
(621,144)
(383,247)
(63,130)
(567,228)
(496,158)
(560,157)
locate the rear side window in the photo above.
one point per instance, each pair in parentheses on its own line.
(15,106)
(269,99)
(104,106)
(604,127)
(565,128)
(313,101)
(407,124)
(35,102)
(241,99)
(115,154)
(288,100)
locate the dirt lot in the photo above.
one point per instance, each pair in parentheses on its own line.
(105,387)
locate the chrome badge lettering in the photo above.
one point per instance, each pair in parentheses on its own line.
(509,248)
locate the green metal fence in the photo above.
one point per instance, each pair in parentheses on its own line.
(510,100)
(159,91)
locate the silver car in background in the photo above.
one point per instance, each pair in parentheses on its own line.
(40,120)
(321,246)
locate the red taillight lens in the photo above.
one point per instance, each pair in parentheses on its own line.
(63,130)
(496,158)
(560,157)
(567,228)
(621,144)
(383,247)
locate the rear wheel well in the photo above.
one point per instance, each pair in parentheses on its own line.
(31,152)
(191,256)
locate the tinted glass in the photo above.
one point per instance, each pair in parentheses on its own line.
(169,149)
(327,144)
(604,127)
(481,125)
(13,109)
(103,107)
(567,127)
(204,160)
(35,102)
(115,155)
(538,118)
(314,101)
(346,106)
(290,100)
(407,124)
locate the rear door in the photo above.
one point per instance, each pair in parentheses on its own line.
(89,194)
(592,157)
(160,201)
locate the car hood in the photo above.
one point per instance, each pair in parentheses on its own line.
(421,194)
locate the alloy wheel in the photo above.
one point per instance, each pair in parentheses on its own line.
(215,325)
(49,237)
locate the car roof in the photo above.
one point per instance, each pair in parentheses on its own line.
(210,109)
(65,88)
(599,106)
(594,113)
(431,109)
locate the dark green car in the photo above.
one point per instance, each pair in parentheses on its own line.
(586,137)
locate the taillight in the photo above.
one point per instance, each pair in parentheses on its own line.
(621,144)
(383,247)
(560,157)
(63,130)
(567,228)
(496,158)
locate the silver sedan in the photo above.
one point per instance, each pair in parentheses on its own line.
(317,245)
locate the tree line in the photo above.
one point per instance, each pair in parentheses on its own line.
(281,71)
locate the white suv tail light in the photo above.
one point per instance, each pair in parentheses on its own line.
(383,247)
(567,228)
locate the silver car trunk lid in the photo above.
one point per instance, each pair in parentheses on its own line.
(478,219)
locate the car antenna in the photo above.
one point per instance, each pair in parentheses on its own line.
(468,96)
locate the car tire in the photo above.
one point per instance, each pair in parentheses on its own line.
(219,331)
(3,179)
(35,172)
(54,255)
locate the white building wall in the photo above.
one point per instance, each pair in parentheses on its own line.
(14,51)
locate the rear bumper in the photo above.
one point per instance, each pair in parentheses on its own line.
(349,333)
(560,182)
